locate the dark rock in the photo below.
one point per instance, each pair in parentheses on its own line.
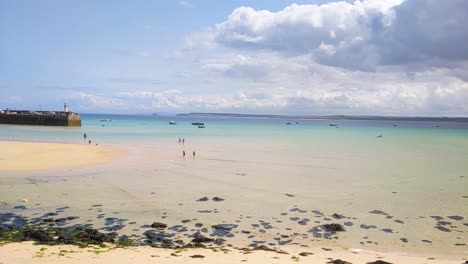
(305,254)
(204,199)
(264,248)
(338,261)
(333,227)
(197,256)
(38,235)
(444,223)
(378,212)
(217,199)
(337,216)
(441,228)
(158,225)
(289,195)
(51,214)
(379,262)
(225,227)
(81,235)
(456,217)
(219,241)
(364,226)
(199,238)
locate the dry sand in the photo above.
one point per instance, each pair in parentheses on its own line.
(22,253)
(32,156)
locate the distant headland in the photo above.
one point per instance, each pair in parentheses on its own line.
(334,117)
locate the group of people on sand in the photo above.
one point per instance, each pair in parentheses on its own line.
(182,141)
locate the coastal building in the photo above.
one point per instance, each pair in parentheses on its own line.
(41,118)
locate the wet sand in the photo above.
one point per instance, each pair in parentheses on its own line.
(33,156)
(392,214)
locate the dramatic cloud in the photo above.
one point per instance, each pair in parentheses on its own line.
(390,57)
(359,35)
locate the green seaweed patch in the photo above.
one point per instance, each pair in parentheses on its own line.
(79,236)
(125,241)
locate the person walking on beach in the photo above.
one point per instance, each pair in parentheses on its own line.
(193,153)
(183,153)
(89,142)
(183,141)
(180,140)
(84,135)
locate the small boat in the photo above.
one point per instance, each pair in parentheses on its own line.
(333,124)
(288,124)
(201,126)
(436,126)
(106,120)
(172,122)
(395,125)
(198,123)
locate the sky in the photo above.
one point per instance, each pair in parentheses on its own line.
(364,57)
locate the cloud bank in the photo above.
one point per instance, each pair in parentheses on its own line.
(367,57)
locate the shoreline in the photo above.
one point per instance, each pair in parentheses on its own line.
(21,156)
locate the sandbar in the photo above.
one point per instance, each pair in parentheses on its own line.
(32,156)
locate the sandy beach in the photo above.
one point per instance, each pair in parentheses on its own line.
(32,156)
(26,253)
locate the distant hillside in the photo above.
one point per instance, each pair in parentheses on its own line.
(335,117)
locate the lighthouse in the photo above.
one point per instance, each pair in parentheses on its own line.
(65,107)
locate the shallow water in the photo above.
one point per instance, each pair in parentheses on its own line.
(415,173)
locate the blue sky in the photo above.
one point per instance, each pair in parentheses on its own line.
(280,57)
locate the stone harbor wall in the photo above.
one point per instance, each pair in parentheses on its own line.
(41,119)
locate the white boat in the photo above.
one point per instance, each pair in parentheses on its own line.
(172,122)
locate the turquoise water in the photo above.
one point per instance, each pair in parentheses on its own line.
(145,128)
